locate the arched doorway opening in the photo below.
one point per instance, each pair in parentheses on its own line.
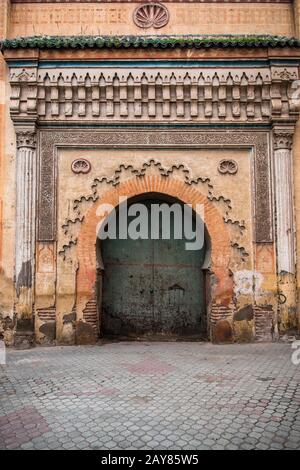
(152,287)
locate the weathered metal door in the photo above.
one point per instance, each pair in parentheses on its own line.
(152,287)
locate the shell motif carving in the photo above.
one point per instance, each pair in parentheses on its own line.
(228,167)
(151,15)
(81,165)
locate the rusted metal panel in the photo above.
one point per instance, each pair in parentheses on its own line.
(152,287)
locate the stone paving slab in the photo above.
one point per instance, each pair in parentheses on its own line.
(138,395)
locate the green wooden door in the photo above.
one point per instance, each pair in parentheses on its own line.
(152,287)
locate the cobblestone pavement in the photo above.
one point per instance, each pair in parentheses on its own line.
(132,395)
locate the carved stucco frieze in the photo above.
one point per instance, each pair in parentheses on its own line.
(139,171)
(23,98)
(284,73)
(50,140)
(147,94)
(26,138)
(204,95)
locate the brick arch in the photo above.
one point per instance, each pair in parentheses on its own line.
(222,289)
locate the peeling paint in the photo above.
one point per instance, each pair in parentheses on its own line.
(243,331)
(245,313)
(84,333)
(24,278)
(222,332)
(69,318)
(49,330)
(247,282)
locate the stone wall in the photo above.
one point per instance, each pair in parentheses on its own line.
(117,18)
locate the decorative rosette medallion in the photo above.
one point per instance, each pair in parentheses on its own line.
(81,165)
(151,15)
(228,167)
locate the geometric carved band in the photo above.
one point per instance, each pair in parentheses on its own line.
(52,139)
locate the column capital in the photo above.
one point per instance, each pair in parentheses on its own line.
(26,137)
(283,138)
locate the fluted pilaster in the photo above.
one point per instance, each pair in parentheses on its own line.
(284,201)
(285,231)
(25,233)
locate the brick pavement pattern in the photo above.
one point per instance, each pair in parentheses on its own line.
(138,395)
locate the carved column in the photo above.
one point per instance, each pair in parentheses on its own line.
(285,231)
(25,235)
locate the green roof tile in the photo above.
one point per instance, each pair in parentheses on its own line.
(158,42)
